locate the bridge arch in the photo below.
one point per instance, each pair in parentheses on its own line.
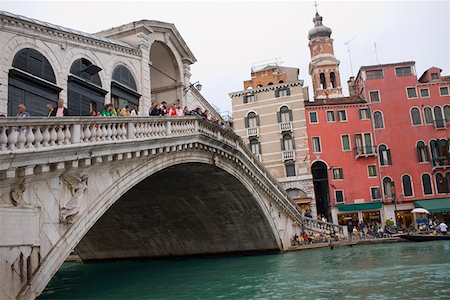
(120,184)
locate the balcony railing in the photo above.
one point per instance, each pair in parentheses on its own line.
(288,155)
(440,124)
(286,126)
(254,131)
(365,151)
(441,162)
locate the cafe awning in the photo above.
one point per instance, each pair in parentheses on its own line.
(434,205)
(360,206)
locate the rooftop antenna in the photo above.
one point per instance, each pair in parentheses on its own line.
(315,4)
(347,43)
(376,52)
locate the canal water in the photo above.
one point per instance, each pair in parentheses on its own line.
(380,271)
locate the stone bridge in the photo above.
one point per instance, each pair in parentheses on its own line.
(116,188)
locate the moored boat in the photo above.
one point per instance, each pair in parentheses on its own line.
(424,237)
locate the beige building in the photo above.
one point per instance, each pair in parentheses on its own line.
(269,114)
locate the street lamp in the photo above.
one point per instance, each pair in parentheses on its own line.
(394,198)
(196,84)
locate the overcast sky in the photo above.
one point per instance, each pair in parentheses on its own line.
(228,37)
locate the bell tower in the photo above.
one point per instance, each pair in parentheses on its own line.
(324,67)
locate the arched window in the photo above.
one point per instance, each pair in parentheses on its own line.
(428,115)
(333,80)
(447,113)
(123,88)
(287,143)
(438,117)
(322,81)
(441,184)
(385,155)
(252,120)
(422,152)
(270,83)
(388,187)
(415,116)
(31,82)
(378,120)
(440,152)
(255,146)
(281,81)
(426,182)
(407,187)
(284,115)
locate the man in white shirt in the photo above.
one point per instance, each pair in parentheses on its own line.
(443,228)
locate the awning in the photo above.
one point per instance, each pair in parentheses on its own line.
(361,206)
(434,205)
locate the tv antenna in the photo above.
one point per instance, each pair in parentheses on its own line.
(376,52)
(347,43)
(315,4)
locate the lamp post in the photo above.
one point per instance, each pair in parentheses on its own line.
(394,198)
(196,84)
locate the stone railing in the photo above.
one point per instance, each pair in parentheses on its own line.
(288,155)
(286,126)
(316,225)
(253,131)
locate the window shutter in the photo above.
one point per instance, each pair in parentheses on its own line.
(389,157)
(279,116)
(293,143)
(427,154)
(257,120)
(277,93)
(249,145)
(282,144)
(291,118)
(288,91)
(245,99)
(418,153)
(259,145)
(246,122)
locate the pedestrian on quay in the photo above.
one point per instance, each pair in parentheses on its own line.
(443,228)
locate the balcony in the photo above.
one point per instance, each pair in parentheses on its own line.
(288,155)
(286,126)
(365,151)
(441,162)
(440,124)
(252,132)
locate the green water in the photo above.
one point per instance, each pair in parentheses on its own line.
(382,271)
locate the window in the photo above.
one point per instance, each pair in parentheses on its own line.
(415,116)
(282,92)
(290,169)
(388,187)
(363,144)
(287,143)
(345,141)
(284,115)
(313,117)
(372,169)
(385,155)
(322,81)
(339,194)
(252,120)
(249,98)
(374,74)
(447,113)
(441,183)
(374,96)
(424,93)
(440,153)
(330,116)
(338,173)
(422,152)
(438,117)
(255,146)
(375,193)
(342,115)
(316,144)
(443,90)
(333,80)
(407,187)
(426,183)
(428,115)
(403,71)
(434,76)
(364,114)
(411,92)
(378,120)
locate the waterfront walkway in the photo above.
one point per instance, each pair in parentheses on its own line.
(349,243)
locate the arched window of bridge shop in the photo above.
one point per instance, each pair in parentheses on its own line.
(123,88)
(31,81)
(84,88)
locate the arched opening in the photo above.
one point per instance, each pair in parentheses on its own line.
(321,189)
(84,89)
(322,81)
(31,81)
(123,88)
(333,80)
(438,117)
(164,75)
(197,209)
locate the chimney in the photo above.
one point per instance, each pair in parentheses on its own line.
(351,87)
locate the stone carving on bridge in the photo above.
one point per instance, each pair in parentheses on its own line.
(77,184)
(17,191)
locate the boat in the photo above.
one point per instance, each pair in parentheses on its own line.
(424,237)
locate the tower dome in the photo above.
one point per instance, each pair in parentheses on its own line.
(319,29)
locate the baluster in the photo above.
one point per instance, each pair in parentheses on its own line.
(29,137)
(93,130)
(67,135)
(60,135)
(104,132)
(46,137)
(3,139)
(137,130)
(38,137)
(87,133)
(53,136)
(82,133)
(21,138)
(99,132)
(12,138)
(119,131)
(109,132)
(114,131)
(124,131)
